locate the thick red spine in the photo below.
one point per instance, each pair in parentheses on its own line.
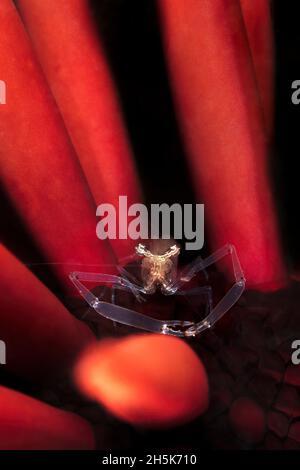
(28,424)
(42,338)
(219,110)
(38,165)
(70,51)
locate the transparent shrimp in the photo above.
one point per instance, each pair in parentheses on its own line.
(159,272)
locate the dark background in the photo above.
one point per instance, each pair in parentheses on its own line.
(286,151)
(130,31)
